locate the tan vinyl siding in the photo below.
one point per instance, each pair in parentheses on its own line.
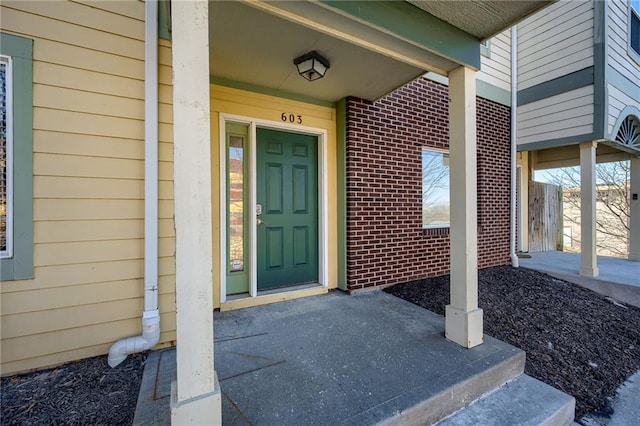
(555,42)
(91,14)
(88,159)
(560,116)
(131,9)
(166,206)
(496,68)
(618,41)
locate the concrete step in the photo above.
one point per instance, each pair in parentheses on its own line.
(523,401)
(456,390)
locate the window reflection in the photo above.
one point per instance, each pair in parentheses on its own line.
(236,202)
(435,188)
(4,155)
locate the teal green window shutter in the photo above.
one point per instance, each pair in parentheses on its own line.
(17,263)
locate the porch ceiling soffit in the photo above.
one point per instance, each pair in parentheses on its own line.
(255,42)
(569,155)
(374,47)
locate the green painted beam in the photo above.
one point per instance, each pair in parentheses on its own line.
(493,93)
(416,26)
(566,83)
(483,89)
(600,97)
(552,143)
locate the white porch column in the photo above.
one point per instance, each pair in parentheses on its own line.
(463,317)
(634,216)
(195,396)
(589,262)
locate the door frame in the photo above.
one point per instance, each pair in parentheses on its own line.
(253,124)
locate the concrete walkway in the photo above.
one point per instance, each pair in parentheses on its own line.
(624,406)
(618,278)
(336,359)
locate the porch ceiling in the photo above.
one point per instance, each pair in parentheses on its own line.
(257,48)
(253,43)
(569,155)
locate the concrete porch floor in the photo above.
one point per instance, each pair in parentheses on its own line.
(618,278)
(334,358)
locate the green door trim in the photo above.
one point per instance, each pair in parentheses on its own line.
(237,263)
(322,167)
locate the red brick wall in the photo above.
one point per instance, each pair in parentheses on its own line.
(386,243)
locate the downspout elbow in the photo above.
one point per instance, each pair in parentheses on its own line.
(135,344)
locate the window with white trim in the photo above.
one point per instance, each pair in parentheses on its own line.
(435,188)
(6,141)
(634,26)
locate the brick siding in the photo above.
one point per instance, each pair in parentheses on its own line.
(386,243)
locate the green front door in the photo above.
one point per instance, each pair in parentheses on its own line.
(287,210)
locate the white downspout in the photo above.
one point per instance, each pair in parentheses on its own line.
(151,316)
(514,140)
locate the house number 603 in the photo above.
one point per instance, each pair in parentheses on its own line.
(291,118)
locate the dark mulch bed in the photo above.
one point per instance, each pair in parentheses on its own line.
(86,392)
(576,340)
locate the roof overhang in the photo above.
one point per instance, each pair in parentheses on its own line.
(481,18)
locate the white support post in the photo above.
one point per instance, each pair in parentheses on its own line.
(195,396)
(463,317)
(634,213)
(525,176)
(589,260)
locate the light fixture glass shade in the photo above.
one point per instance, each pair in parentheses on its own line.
(311,66)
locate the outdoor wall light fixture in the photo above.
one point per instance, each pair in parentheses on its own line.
(311,66)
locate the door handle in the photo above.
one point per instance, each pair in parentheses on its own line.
(259,221)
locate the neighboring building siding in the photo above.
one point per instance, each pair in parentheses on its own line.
(493,80)
(386,243)
(496,68)
(555,42)
(556,117)
(618,100)
(88,184)
(623,85)
(618,40)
